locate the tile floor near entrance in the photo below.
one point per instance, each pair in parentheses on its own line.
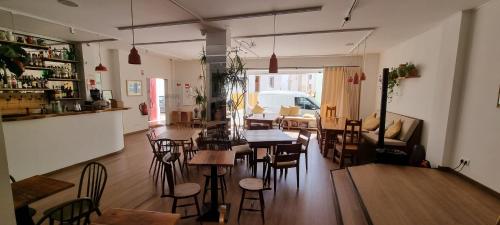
(131,186)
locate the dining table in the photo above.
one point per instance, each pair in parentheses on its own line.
(180,134)
(265,139)
(32,189)
(118,216)
(213,159)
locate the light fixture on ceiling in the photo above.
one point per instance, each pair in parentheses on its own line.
(133,57)
(100,67)
(273,62)
(68,3)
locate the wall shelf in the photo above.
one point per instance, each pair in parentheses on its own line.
(24,45)
(37,68)
(60,60)
(24,89)
(62,79)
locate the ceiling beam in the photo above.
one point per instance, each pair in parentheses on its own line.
(221,18)
(98,40)
(306,33)
(369,29)
(171,42)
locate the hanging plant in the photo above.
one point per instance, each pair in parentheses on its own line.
(396,75)
(13,57)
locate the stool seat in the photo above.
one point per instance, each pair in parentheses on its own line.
(242,149)
(186,190)
(252,184)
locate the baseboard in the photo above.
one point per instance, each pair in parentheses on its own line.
(84,162)
(135,132)
(461,175)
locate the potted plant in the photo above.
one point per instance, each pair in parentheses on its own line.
(397,74)
(13,57)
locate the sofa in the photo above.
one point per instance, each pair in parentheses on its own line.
(409,136)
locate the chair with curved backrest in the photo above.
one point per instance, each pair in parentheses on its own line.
(331,111)
(71,212)
(286,156)
(303,139)
(348,145)
(92,183)
(160,148)
(179,191)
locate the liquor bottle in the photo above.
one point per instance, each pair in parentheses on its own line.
(33,82)
(14,82)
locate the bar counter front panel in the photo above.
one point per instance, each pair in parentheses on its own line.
(44,145)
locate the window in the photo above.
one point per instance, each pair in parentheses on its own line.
(271,82)
(305,103)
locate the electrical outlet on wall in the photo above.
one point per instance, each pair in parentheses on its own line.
(465,161)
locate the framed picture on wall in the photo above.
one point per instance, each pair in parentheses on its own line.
(107,95)
(134,87)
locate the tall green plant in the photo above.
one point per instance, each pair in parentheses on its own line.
(236,88)
(13,57)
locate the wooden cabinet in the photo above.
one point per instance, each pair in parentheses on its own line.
(181,117)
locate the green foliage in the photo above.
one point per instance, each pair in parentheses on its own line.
(13,57)
(397,74)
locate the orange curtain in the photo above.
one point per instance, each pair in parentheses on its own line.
(337,91)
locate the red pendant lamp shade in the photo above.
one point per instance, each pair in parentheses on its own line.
(134,57)
(363,76)
(349,79)
(273,64)
(101,68)
(356,79)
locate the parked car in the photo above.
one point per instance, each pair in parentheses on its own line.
(273,100)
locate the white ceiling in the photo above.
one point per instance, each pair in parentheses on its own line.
(396,20)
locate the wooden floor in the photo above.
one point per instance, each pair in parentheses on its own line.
(131,186)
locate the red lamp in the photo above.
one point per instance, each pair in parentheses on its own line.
(100,67)
(273,64)
(349,79)
(363,76)
(133,57)
(356,79)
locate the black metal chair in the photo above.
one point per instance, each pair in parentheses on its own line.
(161,148)
(69,213)
(255,185)
(286,156)
(179,191)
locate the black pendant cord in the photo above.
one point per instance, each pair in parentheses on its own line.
(132,16)
(274,34)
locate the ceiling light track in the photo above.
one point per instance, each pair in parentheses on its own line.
(222,18)
(171,42)
(306,33)
(97,40)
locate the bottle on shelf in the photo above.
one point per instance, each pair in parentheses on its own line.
(13,82)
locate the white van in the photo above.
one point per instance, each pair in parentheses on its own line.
(273,100)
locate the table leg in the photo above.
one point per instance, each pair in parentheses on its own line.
(212,215)
(23,216)
(254,162)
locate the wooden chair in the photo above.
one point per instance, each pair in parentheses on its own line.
(303,139)
(348,144)
(320,133)
(160,148)
(179,191)
(92,183)
(331,111)
(71,212)
(286,156)
(243,151)
(189,149)
(255,185)
(31,211)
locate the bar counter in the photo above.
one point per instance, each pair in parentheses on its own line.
(39,144)
(8,118)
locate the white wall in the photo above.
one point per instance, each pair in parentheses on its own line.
(188,72)
(119,71)
(457,93)
(478,127)
(6,202)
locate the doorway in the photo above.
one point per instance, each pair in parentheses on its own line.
(157,89)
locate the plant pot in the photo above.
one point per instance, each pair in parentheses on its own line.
(413,73)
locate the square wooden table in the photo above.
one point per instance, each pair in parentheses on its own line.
(181,134)
(136,217)
(33,189)
(264,139)
(213,159)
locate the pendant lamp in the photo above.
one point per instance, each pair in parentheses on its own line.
(133,57)
(349,79)
(273,62)
(363,75)
(356,79)
(100,67)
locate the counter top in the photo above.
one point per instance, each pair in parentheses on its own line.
(7,118)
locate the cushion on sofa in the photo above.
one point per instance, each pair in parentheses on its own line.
(285,110)
(257,109)
(394,129)
(408,125)
(294,111)
(371,122)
